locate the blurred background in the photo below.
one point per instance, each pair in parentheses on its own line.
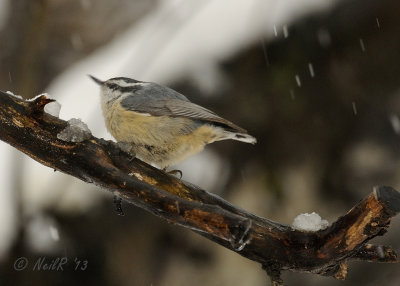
(316,81)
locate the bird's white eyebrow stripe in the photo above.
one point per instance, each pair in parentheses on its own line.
(123,83)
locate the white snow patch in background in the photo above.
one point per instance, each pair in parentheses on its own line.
(309,222)
(41,234)
(395,121)
(53,108)
(54,233)
(206,170)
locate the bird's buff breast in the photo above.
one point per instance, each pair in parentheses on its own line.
(162,140)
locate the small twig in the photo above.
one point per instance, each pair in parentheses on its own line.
(376,253)
(274,273)
(118,205)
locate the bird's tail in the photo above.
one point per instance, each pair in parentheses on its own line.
(243,137)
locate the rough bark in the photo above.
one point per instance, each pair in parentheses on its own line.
(25,126)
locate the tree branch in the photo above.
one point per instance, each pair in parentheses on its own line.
(25,126)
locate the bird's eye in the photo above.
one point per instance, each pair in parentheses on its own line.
(112,86)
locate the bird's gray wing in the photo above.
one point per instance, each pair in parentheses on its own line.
(154,91)
(177,108)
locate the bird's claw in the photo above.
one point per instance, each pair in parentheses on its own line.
(175,172)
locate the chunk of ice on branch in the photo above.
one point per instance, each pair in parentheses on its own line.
(309,222)
(76,131)
(53,108)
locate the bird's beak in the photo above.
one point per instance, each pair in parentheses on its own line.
(96,80)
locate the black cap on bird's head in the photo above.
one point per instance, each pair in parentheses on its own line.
(118,85)
(123,81)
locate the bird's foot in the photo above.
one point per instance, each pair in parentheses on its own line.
(174,172)
(127,148)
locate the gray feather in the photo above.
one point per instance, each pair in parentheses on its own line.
(162,101)
(155,91)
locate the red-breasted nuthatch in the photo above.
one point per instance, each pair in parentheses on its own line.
(161,125)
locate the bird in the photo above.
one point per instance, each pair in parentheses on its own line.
(160,125)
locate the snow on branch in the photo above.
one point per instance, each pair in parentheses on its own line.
(277,247)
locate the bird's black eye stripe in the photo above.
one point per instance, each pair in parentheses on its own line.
(113,86)
(123,89)
(126,79)
(130,88)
